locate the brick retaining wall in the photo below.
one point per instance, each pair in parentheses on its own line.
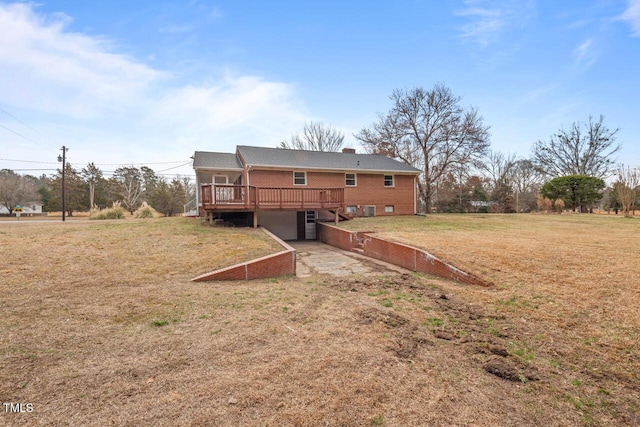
(282,263)
(406,256)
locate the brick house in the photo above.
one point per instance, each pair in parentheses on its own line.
(286,191)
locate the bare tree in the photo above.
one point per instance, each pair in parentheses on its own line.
(627,188)
(429,130)
(585,149)
(128,183)
(16,189)
(498,167)
(526,182)
(315,137)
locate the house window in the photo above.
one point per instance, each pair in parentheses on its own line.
(352,210)
(299,178)
(388,181)
(350,179)
(388,209)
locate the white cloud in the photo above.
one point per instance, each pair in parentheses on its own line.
(235,110)
(541,92)
(80,91)
(488,19)
(632,15)
(585,55)
(176,29)
(49,69)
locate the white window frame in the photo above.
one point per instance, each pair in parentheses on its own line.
(355,180)
(226,179)
(389,209)
(393,181)
(304,175)
(352,209)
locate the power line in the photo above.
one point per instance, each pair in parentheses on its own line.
(15,118)
(20,135)
(29,161)
(104,164)
(105,172)
(175,167)
(139,163)
(27,170)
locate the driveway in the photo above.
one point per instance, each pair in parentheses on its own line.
(314,257)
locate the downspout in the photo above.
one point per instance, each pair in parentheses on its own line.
(198,191)
(415,194)
(248,184)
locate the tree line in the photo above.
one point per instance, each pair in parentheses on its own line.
(88,188)
(450,145)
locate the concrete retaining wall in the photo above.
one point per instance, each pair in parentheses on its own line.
(406,256)
(282,263)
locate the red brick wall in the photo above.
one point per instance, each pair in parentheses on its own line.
(411,258)
(334,236)
(369,189)
(279,264)
(276,265)
(427,263)
(394,253)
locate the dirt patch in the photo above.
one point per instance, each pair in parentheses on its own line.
(461,326)
(386,317)
(508,371)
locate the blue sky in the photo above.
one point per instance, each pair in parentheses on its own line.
(150,82)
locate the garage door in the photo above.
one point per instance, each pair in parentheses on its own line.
(282,224)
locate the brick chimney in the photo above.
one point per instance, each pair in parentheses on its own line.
(349,150)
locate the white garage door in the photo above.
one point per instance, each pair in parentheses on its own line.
(282,224)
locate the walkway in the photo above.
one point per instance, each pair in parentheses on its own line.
(314,257)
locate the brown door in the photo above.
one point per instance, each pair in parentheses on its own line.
(301,221)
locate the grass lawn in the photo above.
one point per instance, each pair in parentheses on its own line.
(100,325)
(575,279)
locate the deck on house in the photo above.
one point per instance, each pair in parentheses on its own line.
(238,197)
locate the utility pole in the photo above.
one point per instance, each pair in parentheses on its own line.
(63,159)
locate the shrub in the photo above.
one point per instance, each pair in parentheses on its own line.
(544,204)
(116,212)
(559,205)
(145,211)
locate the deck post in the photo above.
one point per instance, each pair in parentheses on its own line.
(255,219)
(337,215)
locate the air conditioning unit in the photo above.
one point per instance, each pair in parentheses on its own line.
(369,210)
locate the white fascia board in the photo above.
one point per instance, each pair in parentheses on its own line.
(201,168)
(337,170)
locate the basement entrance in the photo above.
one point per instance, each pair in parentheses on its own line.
(306,222)
(290,225)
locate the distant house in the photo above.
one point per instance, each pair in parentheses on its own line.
(28,209)
(286,191)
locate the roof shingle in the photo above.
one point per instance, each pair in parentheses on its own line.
(300,159)
(209,160)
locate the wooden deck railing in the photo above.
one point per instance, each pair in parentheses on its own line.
(228,197)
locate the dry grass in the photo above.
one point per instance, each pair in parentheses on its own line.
(573,279)
(100,325)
